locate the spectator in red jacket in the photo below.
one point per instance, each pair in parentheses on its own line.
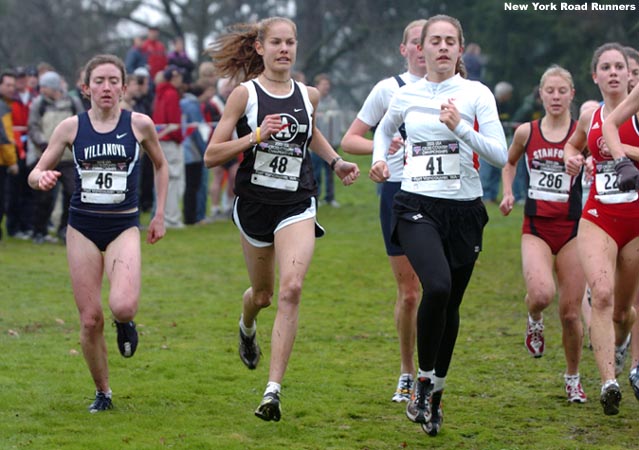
(167,116)
(154,51)
(18,197)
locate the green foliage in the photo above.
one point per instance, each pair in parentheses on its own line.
(356,42)
(186,388)
(520,45)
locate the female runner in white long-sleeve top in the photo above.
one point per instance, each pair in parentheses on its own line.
(439,216)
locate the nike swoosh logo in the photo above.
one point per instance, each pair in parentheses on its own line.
(120,136)
(297,109)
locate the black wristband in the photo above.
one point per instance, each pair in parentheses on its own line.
(334,161)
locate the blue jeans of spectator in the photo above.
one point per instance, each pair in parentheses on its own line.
(320,166)
(490,177)
(520,183)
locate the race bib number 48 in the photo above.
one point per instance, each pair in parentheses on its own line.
(277,166)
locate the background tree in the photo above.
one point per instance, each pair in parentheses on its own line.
(355,41)
(63,33)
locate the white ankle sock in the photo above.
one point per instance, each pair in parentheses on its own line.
(430,374)
(273,387)
(531,320)
(438,383)
(247,331)
(608,383)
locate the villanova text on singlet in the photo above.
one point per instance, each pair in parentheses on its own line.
(278,170)
(107,166)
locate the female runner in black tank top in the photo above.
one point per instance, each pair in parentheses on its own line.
(275,208)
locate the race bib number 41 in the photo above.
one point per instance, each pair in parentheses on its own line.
(434,166)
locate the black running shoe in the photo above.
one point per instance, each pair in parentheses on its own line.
(270,408)
(102,402)
(432,426)
(249,350)
(610,398)
(634,380)
(127,338)
(418,408)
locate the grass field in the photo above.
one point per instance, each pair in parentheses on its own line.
(187,389)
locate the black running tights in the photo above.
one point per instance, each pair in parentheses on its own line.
(443,289)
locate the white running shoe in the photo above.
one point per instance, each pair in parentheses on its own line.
(404,388)
(535,338)
(574,391)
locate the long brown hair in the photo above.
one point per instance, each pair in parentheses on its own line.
(234,55)
(460,68)
(604,48)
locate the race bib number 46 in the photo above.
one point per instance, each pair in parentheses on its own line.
(103,182)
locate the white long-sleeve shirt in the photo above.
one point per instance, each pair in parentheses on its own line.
(375,107)
(439,162)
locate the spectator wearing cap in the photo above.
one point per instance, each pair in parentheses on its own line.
(18,207)
(144,98)
(167,116)
(8,157)
(142,72)
(51,107)
(32,79)
(154,51)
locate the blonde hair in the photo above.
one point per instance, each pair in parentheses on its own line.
(459,66)
(415,23)
(556,70)
(234,55)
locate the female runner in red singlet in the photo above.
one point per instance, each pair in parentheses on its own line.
(609,227)
(551,215)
